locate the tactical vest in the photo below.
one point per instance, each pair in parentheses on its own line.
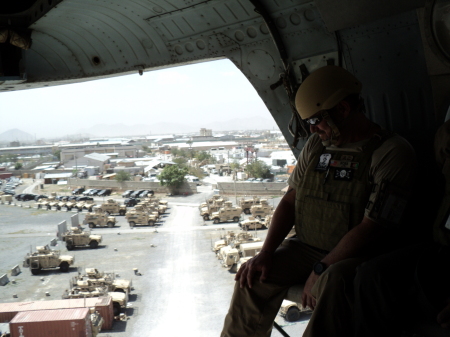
(441,229)
(331,201)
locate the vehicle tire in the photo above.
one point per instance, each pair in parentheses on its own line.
(110,224)
(151,223)
(216,221)
(64,267)
(38,206)
(116,309)
(132,223)
(293,314)
(58,208)
(247,211)
(236,219)
(108,212)
(122,213)
(80,209)
(36,271)
(90,209)
(68,208)
(69,245)
(93,244)
(206,217)
(49,208)
(246,228)
(92,225)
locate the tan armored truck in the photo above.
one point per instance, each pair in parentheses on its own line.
(159,205)
(138,216)
(84,290)
(99,219)
(227,213)
(246,204)
(231,255)
(60,205)
(208,210)
(112,207)
(96,278)
(89,205)
(236,240)
(150,208)
(71,204)
(44,202)
(252,223)
(76,237)
(45,258)
(262,210)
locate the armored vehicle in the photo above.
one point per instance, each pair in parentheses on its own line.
(60,205)
(246,204)
(227,213)
(252,223)
(231,255)
(84,290)
(113,207)
(76,237)
(150,208)
(138,216)
(208,210)
(268,220)
(53,202)
(292,311)
(89,205)
(70,204)
(45,258)
(160,204)
(43,203)
(99,219)
(262,210)
(97,279)
(236,240)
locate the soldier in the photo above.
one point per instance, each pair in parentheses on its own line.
(393,290)
(336,199)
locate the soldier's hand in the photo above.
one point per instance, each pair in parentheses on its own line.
(308,300)
(261,263)
(443,318)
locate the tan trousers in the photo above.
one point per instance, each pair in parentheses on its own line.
(252,311)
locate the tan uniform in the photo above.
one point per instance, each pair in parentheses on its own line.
(252,311)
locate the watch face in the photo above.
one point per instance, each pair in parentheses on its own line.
(319,268)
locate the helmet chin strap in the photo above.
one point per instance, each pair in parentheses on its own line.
(335,134)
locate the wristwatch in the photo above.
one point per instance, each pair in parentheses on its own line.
(319,268)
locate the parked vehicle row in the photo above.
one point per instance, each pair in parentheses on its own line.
(95,191)
(137,193)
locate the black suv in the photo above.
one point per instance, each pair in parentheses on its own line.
(84,198)
(131,202)
(104,193)
(27,197)
(78,190)
(40,196)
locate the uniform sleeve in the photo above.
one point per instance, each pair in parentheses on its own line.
(302,161)
(393,171)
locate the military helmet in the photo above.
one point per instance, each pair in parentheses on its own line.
(324,89)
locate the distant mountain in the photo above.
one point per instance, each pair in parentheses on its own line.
(16,135)
(121,130)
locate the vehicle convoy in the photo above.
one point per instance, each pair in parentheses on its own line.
(262,210)
(99,219)
(113,207)
(138,216)
(227,213)
(96,278)
(45,258)
(232,239)
(252,223)
(246,204)
(208,210)
(84,290)
(76,237)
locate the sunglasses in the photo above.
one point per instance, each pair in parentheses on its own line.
(314,120)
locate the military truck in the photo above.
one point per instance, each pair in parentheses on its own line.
(208,210)
(112,207)
(53,202)
(262,210)
(99,219)
(96,278)
(227,213)
(268,220)
(231,255)
(246,204)
(149,208)
(76,237)
(292,311)
(45,258)
(161,205)
(44,202)
(89,205)
(236,240)
(138,216)
(60,205)
(84,290)
(70,204)
(252,223)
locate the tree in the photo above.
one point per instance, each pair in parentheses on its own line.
(258,169)
(123,176)
(180,161)
(234,166)
(173,177)
(202,155)
(57,154)
(18,166)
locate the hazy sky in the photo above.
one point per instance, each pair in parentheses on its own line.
(195,95)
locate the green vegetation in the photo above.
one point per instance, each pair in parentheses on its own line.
(122,176)
(258,169)
(173,177)
(57,154)
(18,166)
